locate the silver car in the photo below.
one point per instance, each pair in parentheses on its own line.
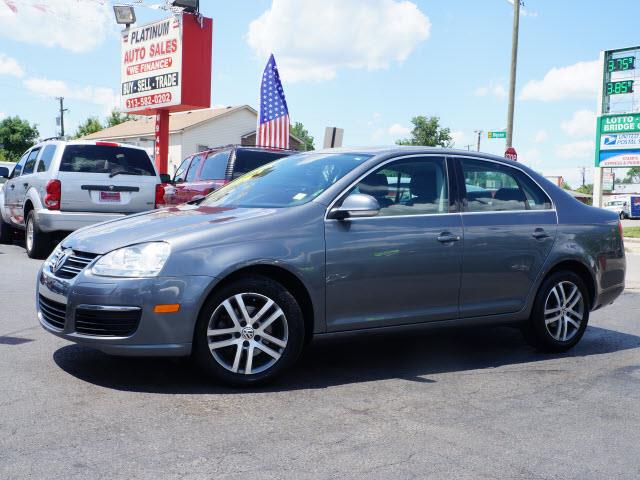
(59,186)
(332,242)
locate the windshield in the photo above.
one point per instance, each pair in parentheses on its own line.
(286,182)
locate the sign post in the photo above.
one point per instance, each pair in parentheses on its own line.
(618,124)
(166,67)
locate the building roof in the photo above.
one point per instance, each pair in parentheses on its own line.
(178,122)
(575,194)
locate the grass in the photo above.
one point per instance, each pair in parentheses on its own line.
(631,232)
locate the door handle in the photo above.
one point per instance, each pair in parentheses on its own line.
(447,237)
(540,234)
(12,186)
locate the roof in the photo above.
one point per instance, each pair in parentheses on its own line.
(575,194)
(178,122)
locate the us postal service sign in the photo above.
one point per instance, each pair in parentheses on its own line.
(151,63)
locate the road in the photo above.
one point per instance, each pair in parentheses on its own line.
(451,404)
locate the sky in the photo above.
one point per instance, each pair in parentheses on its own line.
(367,66)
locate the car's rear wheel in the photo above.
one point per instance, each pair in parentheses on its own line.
(6,232)
(560,313)
(249,332)
(37,243)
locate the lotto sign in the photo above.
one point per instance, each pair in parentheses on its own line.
(152,65)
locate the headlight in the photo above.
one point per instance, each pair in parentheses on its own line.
(54,255)
(142,260)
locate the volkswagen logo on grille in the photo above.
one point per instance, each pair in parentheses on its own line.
(59,261)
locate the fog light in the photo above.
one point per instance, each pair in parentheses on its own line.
(167,308)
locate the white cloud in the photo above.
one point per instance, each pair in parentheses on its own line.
(69,24)
(458,137)
(57,88)
(582,124)
(579,80)
(10,66)
(495,89)
(583,150)
(541,136)
(398,130)
(313,39)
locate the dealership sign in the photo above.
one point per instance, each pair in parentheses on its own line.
(166,65)
(152,65)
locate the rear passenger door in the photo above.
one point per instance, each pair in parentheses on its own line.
(11,189)
(24,183)
(509,228)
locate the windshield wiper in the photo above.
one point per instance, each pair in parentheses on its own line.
(122,172)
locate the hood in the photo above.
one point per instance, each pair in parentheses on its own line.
(169,224)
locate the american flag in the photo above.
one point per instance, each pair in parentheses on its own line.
(273,123)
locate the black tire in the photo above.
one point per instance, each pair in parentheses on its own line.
(254,288)
(536,331)
(6,232)
(41,245)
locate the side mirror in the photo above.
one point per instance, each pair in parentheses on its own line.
(4,172)
(165,178)
(356,205)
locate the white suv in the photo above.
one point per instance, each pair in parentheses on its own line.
(60,186)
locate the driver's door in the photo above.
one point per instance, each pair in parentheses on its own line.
(11,191)
(402,266)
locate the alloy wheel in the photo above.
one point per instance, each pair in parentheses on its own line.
(247,333)
(564,311)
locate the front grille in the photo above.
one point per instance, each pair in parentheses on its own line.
(107,323)
(53,313)
(74,264)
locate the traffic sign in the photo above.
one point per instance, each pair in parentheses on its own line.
(511,154)
(499,134)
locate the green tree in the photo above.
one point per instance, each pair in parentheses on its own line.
(633,175)
(116,117)
(302,133)
(566,186)
(16,135)
(588,188)
(428,132)
(89,126)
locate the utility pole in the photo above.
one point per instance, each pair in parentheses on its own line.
(479,132)
(514,62)
(62,110)
(583,171)
(469,146)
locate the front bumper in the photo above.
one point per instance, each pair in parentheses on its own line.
(56,220)
(157,334)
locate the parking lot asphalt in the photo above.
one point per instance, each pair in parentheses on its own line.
(464,404)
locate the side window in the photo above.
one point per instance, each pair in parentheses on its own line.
(408,187)
(18,168)
(181,173)
(215,166)
(45,160)
(30,164)
(491,187)
(193,169)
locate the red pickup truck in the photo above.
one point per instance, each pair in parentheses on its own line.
(203,172)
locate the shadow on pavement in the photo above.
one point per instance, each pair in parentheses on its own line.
(325,363)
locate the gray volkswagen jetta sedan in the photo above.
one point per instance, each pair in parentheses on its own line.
(336,241)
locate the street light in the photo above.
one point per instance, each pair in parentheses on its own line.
(191,6)
(125,15)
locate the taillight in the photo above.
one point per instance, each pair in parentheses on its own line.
(107,144)
(54,192)
(620,232)
(159,195)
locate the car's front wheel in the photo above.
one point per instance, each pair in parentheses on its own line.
(37,242)
(249,331)
(560,313)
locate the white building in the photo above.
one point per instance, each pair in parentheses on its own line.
(190,132)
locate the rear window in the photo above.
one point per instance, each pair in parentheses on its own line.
(247,160)
(106,159)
